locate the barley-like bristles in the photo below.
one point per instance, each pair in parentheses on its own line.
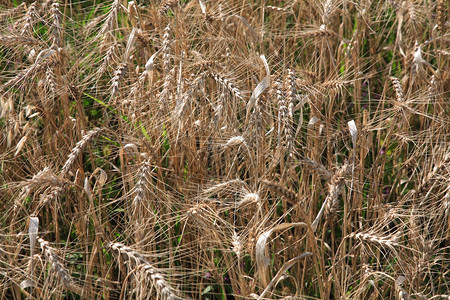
(79,147)
(446,202)
(7,13)
(59,269)
(195,87)
(138,85)
(327,11)
(30,72)
(109,23)
(277,188)
(222,119)
(223,185)
(334,85)
(136,260)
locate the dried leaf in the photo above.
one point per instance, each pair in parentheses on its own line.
(101,179)
(32,231)
(20,144)
(353,131)
(262,261)
(282,270)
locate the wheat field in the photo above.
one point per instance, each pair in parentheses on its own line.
(224,149)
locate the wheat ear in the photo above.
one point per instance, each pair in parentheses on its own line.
(59,269)
(76,151)
(128,255)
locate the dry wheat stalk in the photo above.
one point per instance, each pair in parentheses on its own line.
(282,109)
(52,195)
(195,87)
(235,141)
(43,61)
(336,85)
(223,186)
(427,180)
(133,13)
(250,198)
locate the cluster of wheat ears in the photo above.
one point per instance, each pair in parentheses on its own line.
(225,149)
